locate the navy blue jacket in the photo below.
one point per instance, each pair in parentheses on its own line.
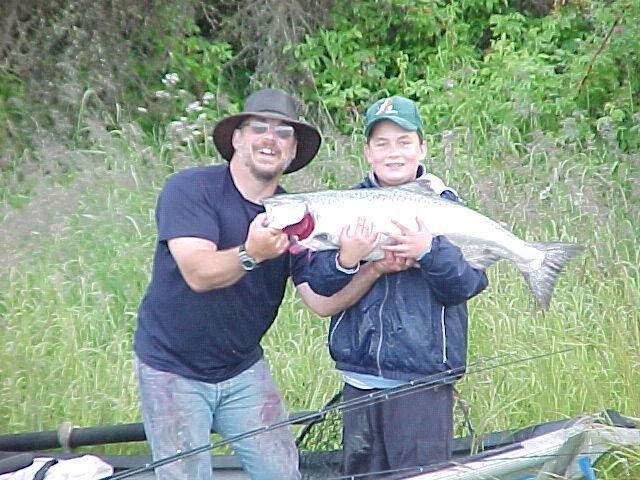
(410,324)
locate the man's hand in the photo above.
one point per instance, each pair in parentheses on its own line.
(356,243)
(409,243)
(263,242)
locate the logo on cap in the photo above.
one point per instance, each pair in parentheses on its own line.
(386,108)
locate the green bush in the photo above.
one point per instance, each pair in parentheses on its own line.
(11,95)
(482,64)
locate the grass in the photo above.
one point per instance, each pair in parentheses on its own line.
(69,296)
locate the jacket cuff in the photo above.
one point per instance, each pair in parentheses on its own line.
(427,251)
(324,275)
(426,259)
(348,271)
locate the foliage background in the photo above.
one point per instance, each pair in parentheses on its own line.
(530,107)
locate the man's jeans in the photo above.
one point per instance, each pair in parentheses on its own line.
(179,413)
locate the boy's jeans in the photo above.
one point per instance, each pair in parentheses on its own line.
(179,412)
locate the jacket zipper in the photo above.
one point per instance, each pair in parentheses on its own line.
(335,327)
(444,336)
(386,292)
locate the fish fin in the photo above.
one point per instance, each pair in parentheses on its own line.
(374,255)
(377,253)
(479,257)
(542,280)
(420,186)
(484,262)
(427,186)
(436,185)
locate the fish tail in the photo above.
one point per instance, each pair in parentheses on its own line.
(542,280)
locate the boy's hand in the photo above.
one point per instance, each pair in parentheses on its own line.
(409,243)
(356,243)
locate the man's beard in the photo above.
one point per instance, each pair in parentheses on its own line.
(262,175)
(267,175)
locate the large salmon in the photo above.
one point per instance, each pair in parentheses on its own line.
(314,221)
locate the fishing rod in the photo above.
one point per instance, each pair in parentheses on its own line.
(437,466)
(424,383)
(584,460)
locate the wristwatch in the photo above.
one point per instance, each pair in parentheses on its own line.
(247,262)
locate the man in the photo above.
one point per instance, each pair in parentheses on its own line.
(218,279)
(398,319)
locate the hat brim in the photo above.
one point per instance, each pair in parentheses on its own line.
(401,122)
(308,138)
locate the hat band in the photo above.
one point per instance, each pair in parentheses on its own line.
(273,112)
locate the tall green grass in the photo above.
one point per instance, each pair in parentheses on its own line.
(68,300)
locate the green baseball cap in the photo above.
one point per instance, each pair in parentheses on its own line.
(400,110)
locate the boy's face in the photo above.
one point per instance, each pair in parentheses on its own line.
(394,153)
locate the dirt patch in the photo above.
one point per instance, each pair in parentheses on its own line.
(60,177)
(46,215)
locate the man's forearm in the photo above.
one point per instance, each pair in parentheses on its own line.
(343,299)
(212,271)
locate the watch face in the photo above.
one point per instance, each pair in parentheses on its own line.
(246,261)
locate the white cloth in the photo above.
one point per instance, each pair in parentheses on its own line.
(86,467)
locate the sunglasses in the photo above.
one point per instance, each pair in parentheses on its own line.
(283,132)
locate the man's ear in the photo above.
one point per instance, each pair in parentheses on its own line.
(235,138)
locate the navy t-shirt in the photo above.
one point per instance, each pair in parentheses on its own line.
(215,335)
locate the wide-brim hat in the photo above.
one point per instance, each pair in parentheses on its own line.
(270,103)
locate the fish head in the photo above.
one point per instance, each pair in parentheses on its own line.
(290,213)
(285,210)
(295,216)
